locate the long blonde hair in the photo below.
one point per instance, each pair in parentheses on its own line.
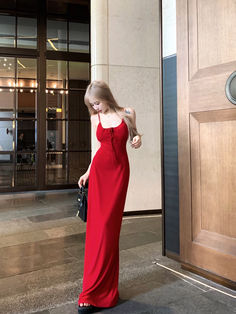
(102,92)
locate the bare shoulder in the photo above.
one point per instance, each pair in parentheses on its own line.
(130,112)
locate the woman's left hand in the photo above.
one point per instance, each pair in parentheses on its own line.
(136,142)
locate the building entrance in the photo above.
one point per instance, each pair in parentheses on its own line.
(44,70)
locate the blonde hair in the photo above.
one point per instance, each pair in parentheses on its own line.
(102,92)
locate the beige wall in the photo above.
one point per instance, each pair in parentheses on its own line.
(125,53)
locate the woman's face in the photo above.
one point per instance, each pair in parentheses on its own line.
(97,104)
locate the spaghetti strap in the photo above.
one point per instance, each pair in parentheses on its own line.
(99,116)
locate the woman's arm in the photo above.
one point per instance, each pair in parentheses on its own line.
(93,120)
(136,142)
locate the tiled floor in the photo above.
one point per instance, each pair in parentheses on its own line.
(41,265)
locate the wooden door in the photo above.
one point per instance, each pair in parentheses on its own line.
(206,56)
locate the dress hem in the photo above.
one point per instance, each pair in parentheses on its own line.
(97,304)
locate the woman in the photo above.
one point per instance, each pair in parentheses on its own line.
(108,175)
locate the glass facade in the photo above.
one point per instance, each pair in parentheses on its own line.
(67,129)
(67,36)
(7,31)
(27,32)
(18,87)
(45,130)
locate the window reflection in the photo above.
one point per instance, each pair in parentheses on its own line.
(7,31)
(56,35)
(6,135)
(79,37)
(26,32)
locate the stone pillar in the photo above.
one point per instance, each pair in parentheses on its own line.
(125,54)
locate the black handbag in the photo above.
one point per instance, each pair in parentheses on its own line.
(82,198)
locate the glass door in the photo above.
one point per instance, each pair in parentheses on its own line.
(68,128)
(18,122)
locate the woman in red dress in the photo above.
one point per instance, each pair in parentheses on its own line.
(108,176)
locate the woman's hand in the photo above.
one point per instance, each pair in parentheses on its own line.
(136,142)
(83,179)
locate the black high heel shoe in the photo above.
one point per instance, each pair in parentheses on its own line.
(88,309)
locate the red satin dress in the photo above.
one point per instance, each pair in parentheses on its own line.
(107,189)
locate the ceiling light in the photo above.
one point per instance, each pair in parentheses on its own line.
(18,61)
(52,45)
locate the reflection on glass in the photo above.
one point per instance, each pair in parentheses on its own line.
(26,73)
(6,135)
(27,33)
(56,135)
(7,31)
(56,104)
(56,35)
(6,170)
(78,73)
(6,103)
(25,101)
(79,37)
(76,106)
(25,169)
(25,135)
(7,72)
(78,164)
(79,135)
(56,168)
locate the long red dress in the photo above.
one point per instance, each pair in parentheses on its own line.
(107,189)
